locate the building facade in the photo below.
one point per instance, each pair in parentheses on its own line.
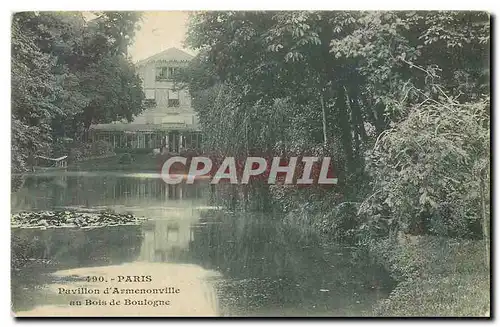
(170,123)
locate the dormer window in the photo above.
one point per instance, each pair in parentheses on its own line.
(166,73)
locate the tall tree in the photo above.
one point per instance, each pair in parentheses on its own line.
(57,59)
(353,70)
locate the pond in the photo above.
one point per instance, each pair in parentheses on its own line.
(206,261)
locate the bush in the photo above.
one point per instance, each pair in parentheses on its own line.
(126,158)
(87,150)
(61,147)
(101,148)
(318,210)
(135,151)
(429,172)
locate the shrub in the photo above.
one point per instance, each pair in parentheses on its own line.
(101,148)
(61,147)
(82,151)
(429,172)
(126,158)
(135,151)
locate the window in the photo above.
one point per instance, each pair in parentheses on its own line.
(173,98)
(172,234)
(161,73)
(173,102)
(167,98)
(162,97)
(173,72)
(166,73)
(150,101)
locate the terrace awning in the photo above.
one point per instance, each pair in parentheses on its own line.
(120,127)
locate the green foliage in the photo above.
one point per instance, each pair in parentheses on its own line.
(399,51)
(429,285)
(126,158)
(25,140)
(427,171)
(281,126)
(339,223)
(133,151)
(116,91)
(67,74)
(117,28)
(452,296)
(333,83)
(274,57)
(61,147)
(32,87)
(344,71)
(87,150)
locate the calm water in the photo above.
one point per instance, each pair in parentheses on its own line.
(224,264)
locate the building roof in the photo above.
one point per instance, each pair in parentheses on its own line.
(171,54)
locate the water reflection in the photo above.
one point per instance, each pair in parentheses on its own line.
(224,263)
(36,254)
(105,189)
(167,240)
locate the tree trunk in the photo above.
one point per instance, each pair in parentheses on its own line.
(357,115)
(486,234)
(323,110)
(345,128)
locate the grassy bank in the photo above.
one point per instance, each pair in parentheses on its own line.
(140,162)
(437,277)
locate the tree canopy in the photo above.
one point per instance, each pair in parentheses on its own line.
(335,82)
(68,73)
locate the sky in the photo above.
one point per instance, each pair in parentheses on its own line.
(159,31)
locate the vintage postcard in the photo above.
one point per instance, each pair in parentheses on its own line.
(250,164)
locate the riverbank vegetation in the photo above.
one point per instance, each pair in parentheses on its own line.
(133,162)
(438,277)
(68,72)
(399,100)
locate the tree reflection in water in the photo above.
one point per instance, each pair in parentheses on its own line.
(264,266)
(269,268)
